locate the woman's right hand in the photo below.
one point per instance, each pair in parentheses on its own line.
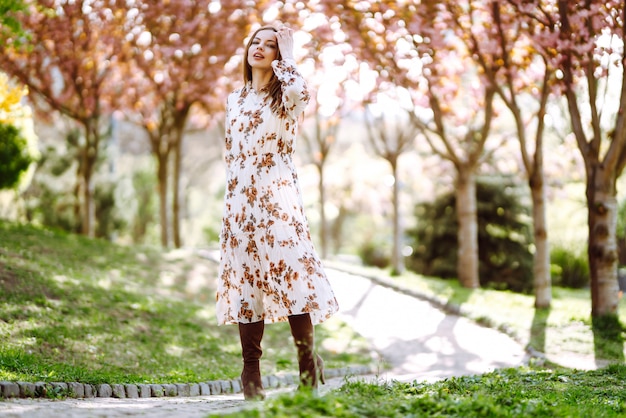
(284,38)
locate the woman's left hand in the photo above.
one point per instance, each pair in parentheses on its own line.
(284,38)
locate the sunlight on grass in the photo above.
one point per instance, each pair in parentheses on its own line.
(566,329)
(76,309)
(59,322)
(340,339)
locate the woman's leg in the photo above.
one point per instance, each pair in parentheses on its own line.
(310,364)
(251,336)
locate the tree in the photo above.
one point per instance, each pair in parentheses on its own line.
(584,41)
(523,79)
(329,104)
(452,103)
(177,55)
(69,52)
(391,137)
(319,142)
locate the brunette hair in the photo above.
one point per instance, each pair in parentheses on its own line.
(273,88)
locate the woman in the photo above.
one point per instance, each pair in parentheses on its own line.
(269,270)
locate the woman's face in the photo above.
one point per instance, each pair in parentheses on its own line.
(263,49)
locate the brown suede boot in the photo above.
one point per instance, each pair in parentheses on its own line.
(310,364)
(250,336)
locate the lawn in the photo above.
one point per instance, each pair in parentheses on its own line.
(85,310)
(504,393)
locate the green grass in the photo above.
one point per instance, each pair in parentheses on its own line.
(503,393)
(76,309)
(85,310)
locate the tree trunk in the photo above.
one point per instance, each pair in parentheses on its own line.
(542,280)
(176,194)
(323,221)
(87,214)
(602,250)
(397,262)
(89,157)
(601,173)
(541,266)
(467,261)
(77,206)
(162,161)
(336,228)
(178,128)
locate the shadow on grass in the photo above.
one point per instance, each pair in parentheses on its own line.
(608,338)
(538,329)
(454,304)
(461,295)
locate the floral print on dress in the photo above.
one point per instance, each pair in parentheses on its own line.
(269,268)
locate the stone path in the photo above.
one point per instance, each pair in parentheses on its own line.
(417,340)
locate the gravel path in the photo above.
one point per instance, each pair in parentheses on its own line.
(419,341)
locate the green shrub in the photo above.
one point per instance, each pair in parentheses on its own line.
(108,219)
(374,255)
(145,213)
(14,157)
(569,269)
(504,237)
(53,198)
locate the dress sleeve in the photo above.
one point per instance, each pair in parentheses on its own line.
(295,93)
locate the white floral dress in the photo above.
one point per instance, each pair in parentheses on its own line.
(268,266)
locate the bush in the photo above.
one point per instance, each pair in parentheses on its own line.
(144,184)
(569,269)
(14,157)
(504,237)
(374,255)
(53,197)
(108,219)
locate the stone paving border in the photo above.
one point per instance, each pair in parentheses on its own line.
(10,389)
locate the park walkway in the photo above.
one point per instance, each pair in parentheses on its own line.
(417,340)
